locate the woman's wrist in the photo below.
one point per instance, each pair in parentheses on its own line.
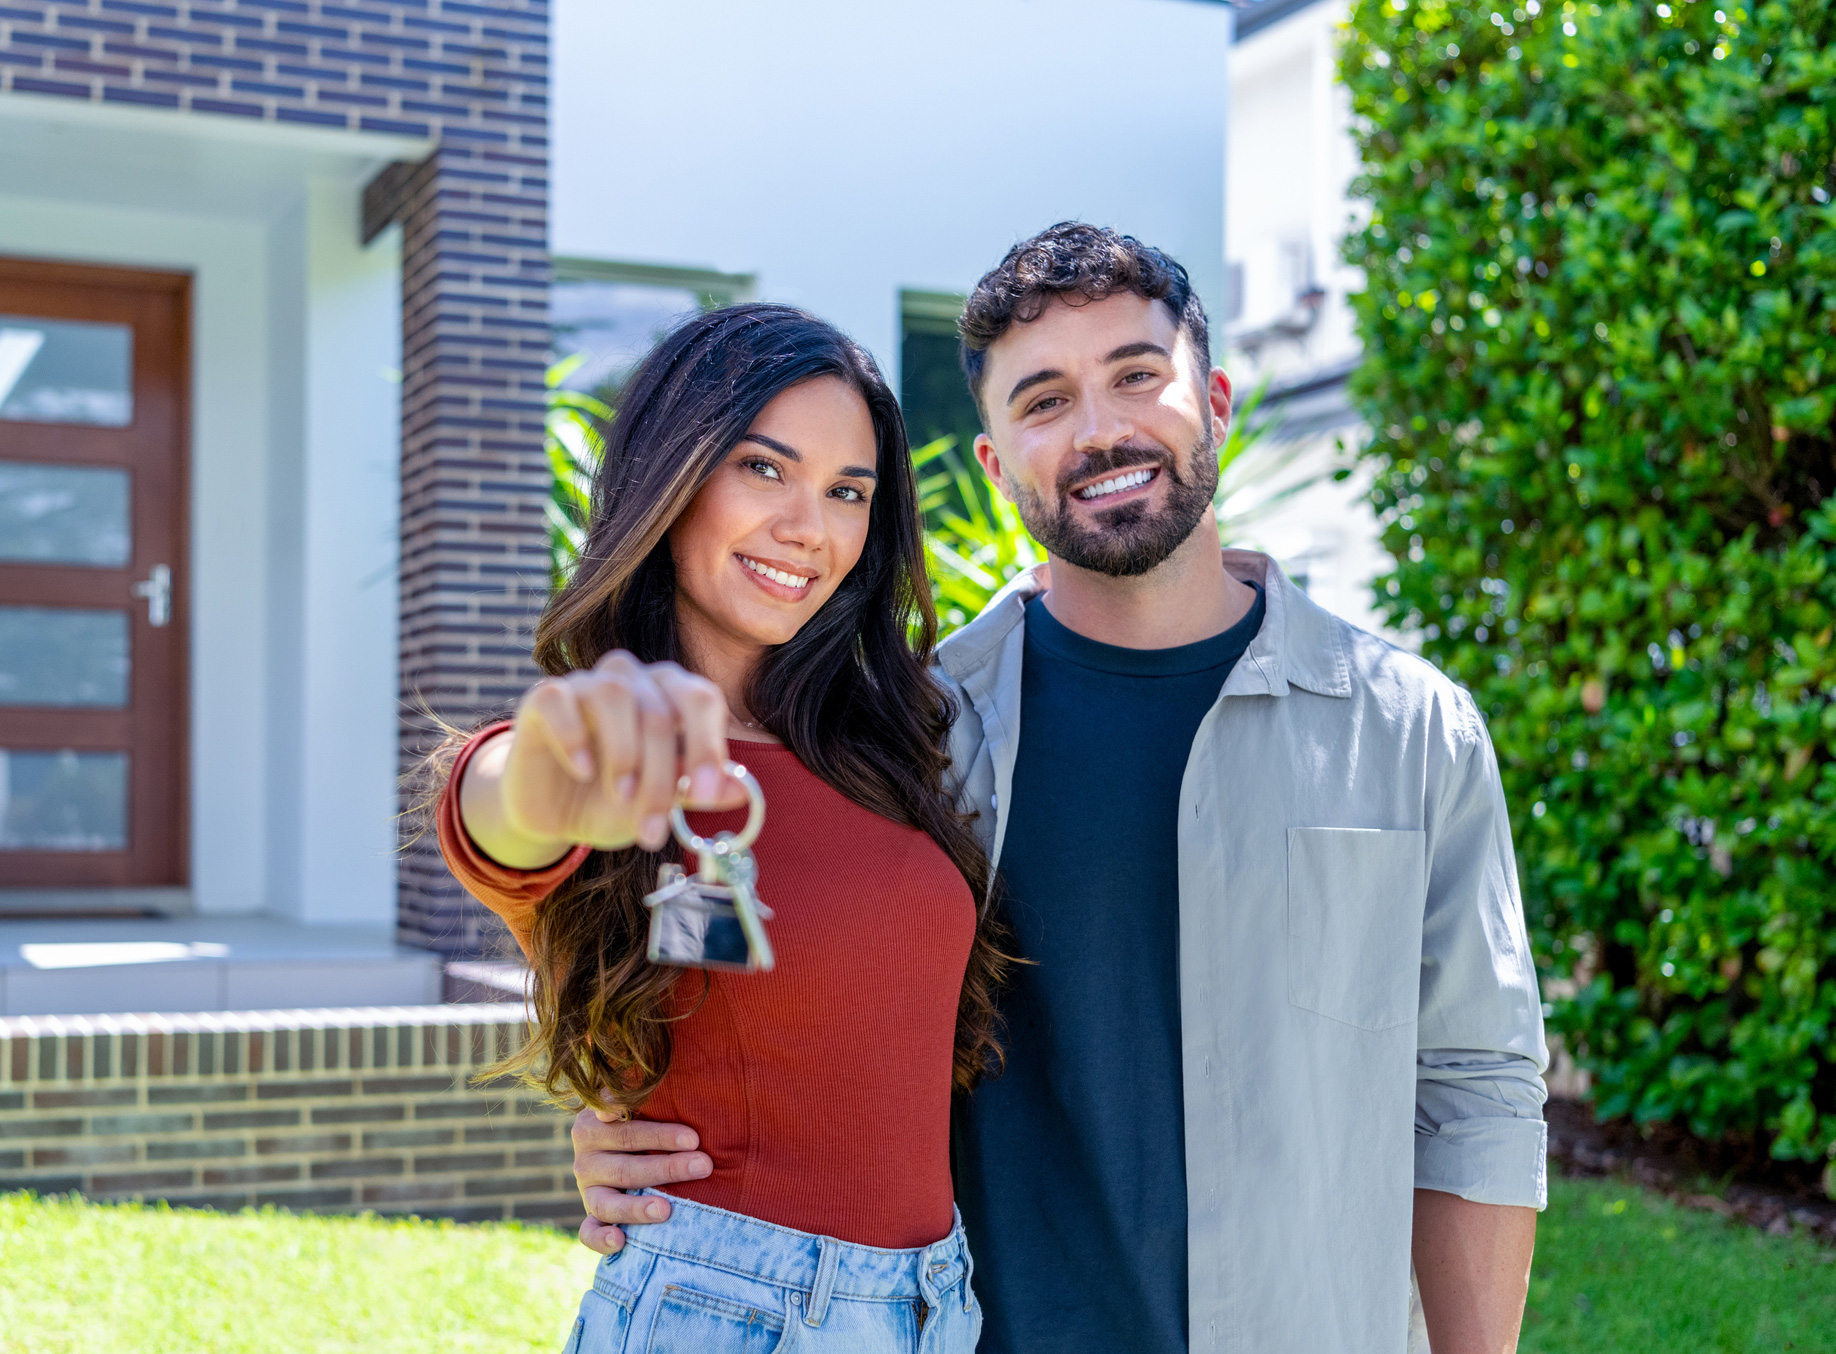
(482,815)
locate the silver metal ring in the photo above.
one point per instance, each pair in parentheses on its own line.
(725,842)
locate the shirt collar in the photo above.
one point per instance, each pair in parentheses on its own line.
(1299,643)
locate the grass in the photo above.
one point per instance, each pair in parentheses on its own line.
(144,1279)
(1617,1269)
(1622,1270)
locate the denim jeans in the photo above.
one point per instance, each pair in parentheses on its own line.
(712,1282)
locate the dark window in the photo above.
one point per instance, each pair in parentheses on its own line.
(935,397)
(611,314)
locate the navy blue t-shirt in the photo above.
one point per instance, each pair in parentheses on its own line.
(1071,1166)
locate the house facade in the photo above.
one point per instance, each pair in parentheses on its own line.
(273,279)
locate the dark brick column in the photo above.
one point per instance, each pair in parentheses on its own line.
(474,568)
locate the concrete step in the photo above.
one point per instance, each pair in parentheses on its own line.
(103,967)
(487,980)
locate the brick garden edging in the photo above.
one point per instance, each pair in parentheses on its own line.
(323,1111)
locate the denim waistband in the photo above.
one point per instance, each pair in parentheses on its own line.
(819,1265)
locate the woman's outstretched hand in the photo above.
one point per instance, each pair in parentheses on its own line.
(594,758)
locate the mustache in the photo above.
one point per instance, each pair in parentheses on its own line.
(1122,456)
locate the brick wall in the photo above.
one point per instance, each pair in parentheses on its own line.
(474,565)
(473,78)
(324,1111)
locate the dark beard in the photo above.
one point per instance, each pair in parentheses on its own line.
(1131,538)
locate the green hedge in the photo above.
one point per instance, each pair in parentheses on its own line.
(1600,380)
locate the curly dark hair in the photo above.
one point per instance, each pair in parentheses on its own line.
(1076,260)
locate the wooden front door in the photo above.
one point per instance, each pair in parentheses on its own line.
(93,576)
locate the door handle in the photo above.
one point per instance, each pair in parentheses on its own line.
(156,587)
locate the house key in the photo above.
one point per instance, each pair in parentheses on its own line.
(713,919)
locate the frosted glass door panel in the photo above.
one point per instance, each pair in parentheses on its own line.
(63,801)
(66,371)
(63,514)
(62,656)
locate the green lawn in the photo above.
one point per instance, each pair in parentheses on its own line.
(1621,1271)
(1618,1271)
(128,1279)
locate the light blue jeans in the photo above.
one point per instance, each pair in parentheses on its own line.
(712,1282)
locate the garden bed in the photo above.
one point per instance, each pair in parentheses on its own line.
(1734,1181)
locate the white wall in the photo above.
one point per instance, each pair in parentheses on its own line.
(1291,162)
(843,151)
(335,508)
(294,477)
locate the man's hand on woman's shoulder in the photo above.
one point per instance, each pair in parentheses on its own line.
(613,1156)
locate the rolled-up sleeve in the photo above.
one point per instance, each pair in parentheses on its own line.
(1479,1130)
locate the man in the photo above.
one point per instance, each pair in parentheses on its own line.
(1280,1032)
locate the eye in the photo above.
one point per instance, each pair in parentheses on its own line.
(1049,402)
(1137,377)
(760,466)
(847,493)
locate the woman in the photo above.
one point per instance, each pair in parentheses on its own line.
(752,578)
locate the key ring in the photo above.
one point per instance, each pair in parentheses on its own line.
(724,842)
(712,919)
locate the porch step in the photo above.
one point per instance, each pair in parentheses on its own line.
(105,967)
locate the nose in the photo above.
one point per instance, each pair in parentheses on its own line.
(1101,423)
(800,521)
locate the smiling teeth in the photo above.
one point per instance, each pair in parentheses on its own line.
(775,575)
(1117,485)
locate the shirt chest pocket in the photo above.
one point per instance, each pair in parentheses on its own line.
(1355,899)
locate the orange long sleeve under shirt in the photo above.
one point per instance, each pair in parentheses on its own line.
(821,1090)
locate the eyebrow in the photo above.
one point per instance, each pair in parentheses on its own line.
(1122,354)
(782,448)
(1026,383)
(1128,350)
(791,453)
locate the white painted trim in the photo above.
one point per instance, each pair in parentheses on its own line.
(1288,39)
(311,1018)
(325,141)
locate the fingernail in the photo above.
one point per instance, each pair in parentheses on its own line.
(705,786)
(654,830)
(701,1166)
(627,786)
(686,1141)
(657,1211)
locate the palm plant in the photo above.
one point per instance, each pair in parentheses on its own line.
(572,438)
(1258,470)
(974,541)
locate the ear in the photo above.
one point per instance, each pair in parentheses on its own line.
(990,461)
(1218,392)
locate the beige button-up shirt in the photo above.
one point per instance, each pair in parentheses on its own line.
(1359,1009)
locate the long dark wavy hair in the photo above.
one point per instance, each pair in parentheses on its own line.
(851,693)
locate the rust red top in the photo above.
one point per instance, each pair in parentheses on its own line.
(821,1090)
